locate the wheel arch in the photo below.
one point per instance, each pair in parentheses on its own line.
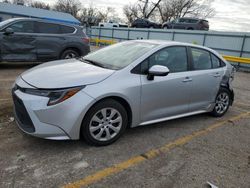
(226,86)
(119,99)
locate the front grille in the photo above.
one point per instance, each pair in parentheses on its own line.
(22,115)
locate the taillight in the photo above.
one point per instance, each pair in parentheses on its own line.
(86,40)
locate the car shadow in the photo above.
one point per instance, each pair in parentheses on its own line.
(17,65)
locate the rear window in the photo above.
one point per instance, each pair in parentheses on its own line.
(67,29)
(48,28)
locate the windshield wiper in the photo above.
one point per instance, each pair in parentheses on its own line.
(93,63)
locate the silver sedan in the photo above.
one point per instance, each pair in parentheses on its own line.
(128,84)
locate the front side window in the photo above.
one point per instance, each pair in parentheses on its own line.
(23,27)
(175,21)
(201,59)
(48,28)
(175,58)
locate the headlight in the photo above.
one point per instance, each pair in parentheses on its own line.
(55,96)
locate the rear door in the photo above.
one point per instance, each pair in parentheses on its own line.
(49,40)
(206,78)
(21,45)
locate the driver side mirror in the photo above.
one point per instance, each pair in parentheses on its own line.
(157,70)
(9,31)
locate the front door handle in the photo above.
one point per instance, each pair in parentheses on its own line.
(187,79)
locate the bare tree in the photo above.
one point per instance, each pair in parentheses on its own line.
(106,14)
(41,5)
(89,16)
(69,6)
(131,12)
(141,9)
(148,7)
(166,10)
(18,2)
(172,9)
(92,16)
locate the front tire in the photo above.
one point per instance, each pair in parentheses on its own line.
(104,123)
(222,103)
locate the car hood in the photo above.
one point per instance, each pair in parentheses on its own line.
(65,73)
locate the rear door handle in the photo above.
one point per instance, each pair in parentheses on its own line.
(187,79)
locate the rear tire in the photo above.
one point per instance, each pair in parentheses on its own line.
(222,103)
(70,53)
(104,123)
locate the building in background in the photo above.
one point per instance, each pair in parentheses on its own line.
(8,11)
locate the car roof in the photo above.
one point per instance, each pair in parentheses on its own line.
(165,43)
(42,20)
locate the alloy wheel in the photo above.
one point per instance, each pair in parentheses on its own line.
(105,124)
(222,103)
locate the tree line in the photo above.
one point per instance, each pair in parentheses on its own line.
(156,10)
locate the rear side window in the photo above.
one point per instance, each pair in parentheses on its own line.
(182,20)
(67,29)
(201,59)
(48,28)
(216,62)
(193,21)
(23,27)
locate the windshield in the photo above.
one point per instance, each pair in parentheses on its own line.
(3,23)
(119,55)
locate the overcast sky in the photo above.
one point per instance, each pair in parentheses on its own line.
(231,15)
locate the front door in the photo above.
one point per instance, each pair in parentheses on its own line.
(168,95)
(20,45)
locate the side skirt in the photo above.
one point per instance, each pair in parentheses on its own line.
(173,117)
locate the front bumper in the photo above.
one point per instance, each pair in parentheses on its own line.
(57,122)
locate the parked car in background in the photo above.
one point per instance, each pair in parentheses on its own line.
(187,23)
(158,81)
(112,24)
(28,39)
(145,23)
